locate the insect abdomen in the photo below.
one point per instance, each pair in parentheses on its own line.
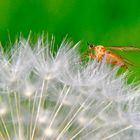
(115,59)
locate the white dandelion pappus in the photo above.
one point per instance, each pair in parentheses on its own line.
(47,95)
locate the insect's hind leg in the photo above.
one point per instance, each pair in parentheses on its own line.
(123,65)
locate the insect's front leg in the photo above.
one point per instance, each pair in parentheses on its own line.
(92,56)
(87,55)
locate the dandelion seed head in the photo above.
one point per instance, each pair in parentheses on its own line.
(44,117)
(52,94)
(83,120)
(67,102)
(3,110)
(29,92)
(49,132)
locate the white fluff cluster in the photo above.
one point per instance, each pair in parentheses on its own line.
(51,96)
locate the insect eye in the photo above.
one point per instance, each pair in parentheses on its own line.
(91,46)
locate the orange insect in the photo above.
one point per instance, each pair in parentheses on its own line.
(101,52)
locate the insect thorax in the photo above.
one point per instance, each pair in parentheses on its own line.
(100,50)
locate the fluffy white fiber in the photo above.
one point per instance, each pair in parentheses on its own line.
(51,96)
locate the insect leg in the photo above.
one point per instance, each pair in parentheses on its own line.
(124,66)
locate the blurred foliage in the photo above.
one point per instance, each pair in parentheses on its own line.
(107,22)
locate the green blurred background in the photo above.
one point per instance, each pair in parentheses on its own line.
(107,22)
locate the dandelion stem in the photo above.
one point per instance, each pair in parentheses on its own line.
(91,132)
(38,110)
(7,133)
(18,114)
(120,131)
(56,113)
(59,100)
(69,123)
(12,116)
(1,136)
(92,119)
(28,128)
(33,109)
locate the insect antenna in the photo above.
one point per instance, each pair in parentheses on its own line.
(88,43)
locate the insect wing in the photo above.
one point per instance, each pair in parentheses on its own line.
(123,48)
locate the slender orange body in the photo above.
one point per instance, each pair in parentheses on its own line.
(100,53)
